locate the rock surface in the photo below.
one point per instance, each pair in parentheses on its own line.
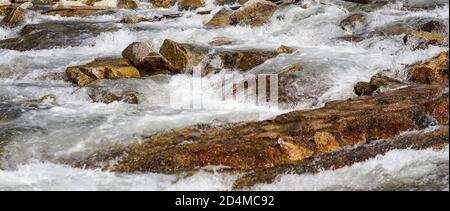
(191,4)
(291,137)
(422,39)
(14,18)
(376,82)
(127,4)
(347,157)
(101,68)
(253,13)
(182,56)
(105,96)
(431,72)
(147,59)
(163,3)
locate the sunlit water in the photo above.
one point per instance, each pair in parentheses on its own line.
(35,139)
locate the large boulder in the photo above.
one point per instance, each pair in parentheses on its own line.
(434,71)
(183,56)
(253,13)
(102,68)
(14,18)
(436,26)
(191,4)
(163,3)
(146,58)
(291,137)
(422,39)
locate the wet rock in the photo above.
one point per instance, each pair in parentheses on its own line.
(435,26)
(255,13)
(422,39)
(224,2)
(55,34)
(376,82)
(147,59)
(191,4)
(219,41)
(347,157)
(248,59)
(127,4)
(431,72)
(5,10)
(354,22)
(132,19)
(73,12)
(182,56)
(14,18)
(223,18)
(101,68)
(291,137)
(163,3)
(291,69)
(104,96)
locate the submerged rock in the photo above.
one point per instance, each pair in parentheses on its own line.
(253,13)
(436,26)
(219,41)
(191,4)
(248,59)
(434,71)
(291,137)
(102,68)
(132,19)
(422,39)
(104,96)
(55,34)
(347,157)
(354,21)
(147,59)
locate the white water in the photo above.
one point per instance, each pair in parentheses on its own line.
(74,126)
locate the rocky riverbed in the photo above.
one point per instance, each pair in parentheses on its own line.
(179,95)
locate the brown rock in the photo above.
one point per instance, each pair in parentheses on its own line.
(303,134)
(291,69)
(223,18)
(102,68)
(248,59)
(255,13)
(182,56)
(14,18)
(127,4)
(433,71)
(191,4)
(422,39)
(147,59)
(342,158)
(163,3)
(224,2)
(435,26)
(72,12)
(132,19)
(376,82)
(5,10)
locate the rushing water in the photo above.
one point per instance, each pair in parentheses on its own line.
(34,138)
